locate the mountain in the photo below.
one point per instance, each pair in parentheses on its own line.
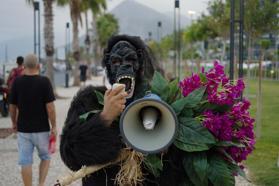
(137,19)
(134,19)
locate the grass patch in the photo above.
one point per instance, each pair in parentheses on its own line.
(262,163)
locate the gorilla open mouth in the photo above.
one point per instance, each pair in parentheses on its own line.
(129,82)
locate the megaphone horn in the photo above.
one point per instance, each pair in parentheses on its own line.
(148,125)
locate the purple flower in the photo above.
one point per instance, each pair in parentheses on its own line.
(234,125)
(190,84)
(218,87)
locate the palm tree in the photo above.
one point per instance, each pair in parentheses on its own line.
(48,37)
(75,11)
(96,7)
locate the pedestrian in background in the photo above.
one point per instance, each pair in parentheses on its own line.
(31,109)
(83,69)
(16,72)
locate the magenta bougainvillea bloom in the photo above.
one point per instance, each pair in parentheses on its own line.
(218,87)
(233,125)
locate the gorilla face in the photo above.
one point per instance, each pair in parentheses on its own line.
(124,65)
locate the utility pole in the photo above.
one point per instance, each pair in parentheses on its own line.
(174,39)
(6,53)
(232,41)
(232,32)
(67,64)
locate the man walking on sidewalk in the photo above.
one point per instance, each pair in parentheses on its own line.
(15,72)
(31,109)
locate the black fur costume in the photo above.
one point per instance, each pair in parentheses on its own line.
(90,142)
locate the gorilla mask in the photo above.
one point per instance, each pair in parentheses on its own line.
(124,65)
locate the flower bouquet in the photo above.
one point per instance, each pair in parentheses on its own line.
(215,127)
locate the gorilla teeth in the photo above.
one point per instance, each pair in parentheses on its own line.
(131,88)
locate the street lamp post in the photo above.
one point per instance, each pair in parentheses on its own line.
(174,39)
(241,28)
(177,40)
(67,43)
(37,43)
(232,41)
(240,42)
(191,13)
(159,27)
(149,36)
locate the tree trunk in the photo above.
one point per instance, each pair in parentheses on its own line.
(224,50)
(76,51)
(49,40)
(87,46)
(248,64)
(259,101)
(95,39)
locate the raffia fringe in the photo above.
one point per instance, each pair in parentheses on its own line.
(130,173)
(84,171)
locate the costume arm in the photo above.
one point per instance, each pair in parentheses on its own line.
(88,142)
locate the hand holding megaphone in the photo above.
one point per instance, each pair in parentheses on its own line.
(114,103)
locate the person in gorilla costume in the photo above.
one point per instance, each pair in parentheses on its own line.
(97,140)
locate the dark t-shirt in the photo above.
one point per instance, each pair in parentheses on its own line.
(83,69)
(31,94)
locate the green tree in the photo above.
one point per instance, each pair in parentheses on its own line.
(200,31)
(260,18)
(107,26)
(96,7)
(48,38)
(75,11)
(219,20)
(166,46)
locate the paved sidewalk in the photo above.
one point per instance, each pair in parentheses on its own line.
(9,169)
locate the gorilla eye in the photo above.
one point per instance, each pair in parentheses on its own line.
(115,62)
(130,59)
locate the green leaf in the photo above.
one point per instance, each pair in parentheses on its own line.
(158,84)
(179,105)
(188,147)
(227,155)
(192,132)
(219,172)
(236,169)
(213,107)
(154,164)
(100,97)
(191,101)
(195,165)
(196,96)
(187,112)
(202,77)
(173,92)
(229,144)
(84,117)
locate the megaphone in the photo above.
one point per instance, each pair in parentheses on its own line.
(148,125)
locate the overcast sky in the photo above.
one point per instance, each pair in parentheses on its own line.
(16,17)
